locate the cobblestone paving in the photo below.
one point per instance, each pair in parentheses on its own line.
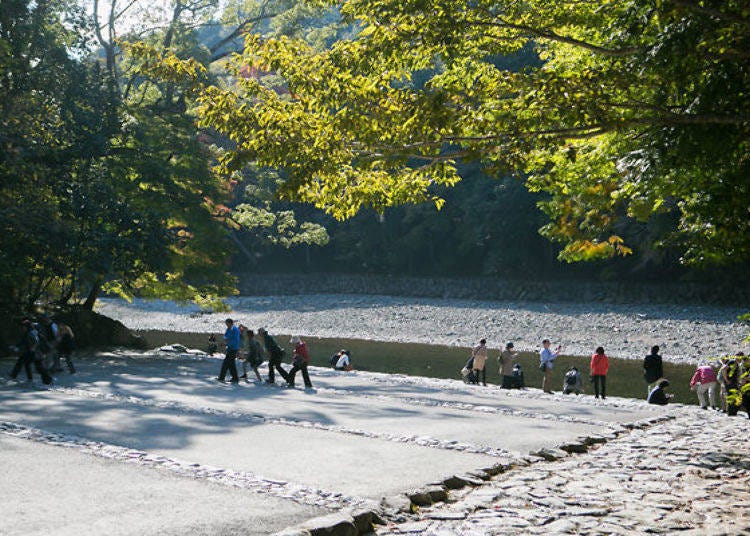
(690,475)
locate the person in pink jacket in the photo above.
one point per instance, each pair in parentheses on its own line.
(599,368)
(704,380)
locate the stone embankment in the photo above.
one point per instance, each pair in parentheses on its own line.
(495,289)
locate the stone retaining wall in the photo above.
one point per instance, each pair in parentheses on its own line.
(494,289)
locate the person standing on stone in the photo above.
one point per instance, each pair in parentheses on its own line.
(506,358)
(275,356)
(653,369)
(232,340)
(300,362)
(546,362)
(479,353)
(599,368)
(253,356)
(702,382)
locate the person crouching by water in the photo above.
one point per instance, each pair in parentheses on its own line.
(232,340)
(658,394)
(300,362)
(344,361)
(546,361)
(599,367)
(479,353)
(275,356)
(253,355)
(506,359)
(572,382)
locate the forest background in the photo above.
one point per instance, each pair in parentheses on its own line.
(155,149)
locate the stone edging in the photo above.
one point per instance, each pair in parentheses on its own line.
(359,522)
(236,479)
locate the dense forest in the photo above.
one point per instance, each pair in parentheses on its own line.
(153,149)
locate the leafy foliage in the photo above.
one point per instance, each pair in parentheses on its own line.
(635,109)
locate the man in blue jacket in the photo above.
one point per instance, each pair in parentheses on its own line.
(232,339)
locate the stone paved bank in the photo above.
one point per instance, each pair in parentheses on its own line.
(690,475)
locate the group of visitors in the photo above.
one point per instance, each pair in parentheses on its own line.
(43,344)
(242,344)
(719,385)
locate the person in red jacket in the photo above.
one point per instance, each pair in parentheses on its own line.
(301,359)
(599,368)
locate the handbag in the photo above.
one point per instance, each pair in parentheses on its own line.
(543,367)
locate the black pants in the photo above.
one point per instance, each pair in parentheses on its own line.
(482,373)
(507,382)
(25,360)
(600,381)
(277,366)
(305,376)
(66,356)
(228,364)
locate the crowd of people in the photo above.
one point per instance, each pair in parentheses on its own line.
(721,385)
(718,385)
(43,344)
(243,345)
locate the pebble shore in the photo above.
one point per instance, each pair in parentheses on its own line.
(686,334)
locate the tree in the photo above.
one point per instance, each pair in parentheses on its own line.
(637,108)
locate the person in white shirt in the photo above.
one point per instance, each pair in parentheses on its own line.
(344,363)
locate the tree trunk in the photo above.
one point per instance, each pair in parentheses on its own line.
(93,294)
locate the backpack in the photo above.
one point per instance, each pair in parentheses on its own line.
(334,359)
(570,378)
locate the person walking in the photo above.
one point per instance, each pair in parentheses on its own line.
(275,356)
(702,382)
(28,354)
(546,362)
(653,369)
(479,353)
(507,358)
(64,346)
(253,355)
(599,367)
(232,340)
(300,362)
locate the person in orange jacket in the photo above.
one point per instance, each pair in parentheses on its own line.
(599,368)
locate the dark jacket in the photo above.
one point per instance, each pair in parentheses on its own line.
(658,396)
(275,353)
(652,368)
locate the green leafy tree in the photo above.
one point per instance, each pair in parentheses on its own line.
(636,108)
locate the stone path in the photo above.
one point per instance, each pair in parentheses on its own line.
(690,475)
(477,460)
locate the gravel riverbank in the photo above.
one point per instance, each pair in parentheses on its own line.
(686,334)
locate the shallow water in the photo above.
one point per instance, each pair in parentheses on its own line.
(625,377)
